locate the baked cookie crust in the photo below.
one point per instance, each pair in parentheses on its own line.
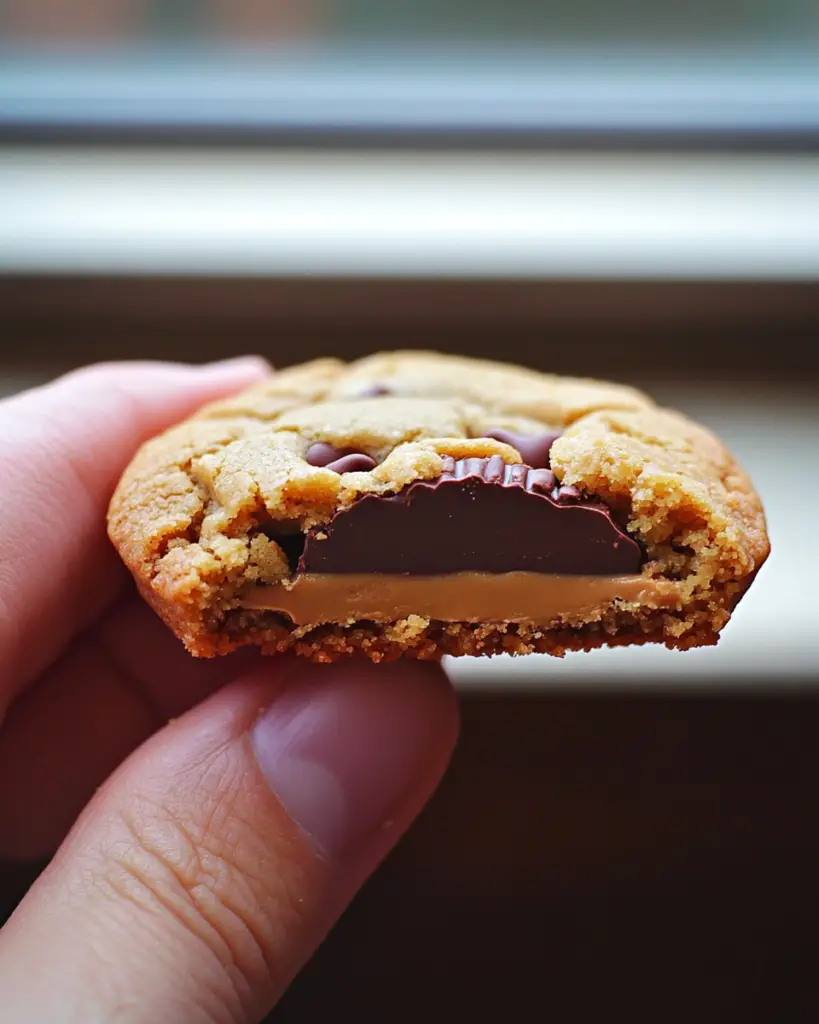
(219,506)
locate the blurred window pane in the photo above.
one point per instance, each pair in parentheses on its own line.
(764,22)
(704,69)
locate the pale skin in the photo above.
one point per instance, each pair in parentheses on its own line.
(211,819)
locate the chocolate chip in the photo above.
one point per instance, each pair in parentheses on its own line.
(320,454)
(374,390)
(534,448)
(354,462)
(480,515)
(339,460)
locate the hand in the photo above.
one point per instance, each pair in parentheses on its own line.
(228,810)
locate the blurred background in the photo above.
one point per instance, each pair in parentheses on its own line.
(620,189)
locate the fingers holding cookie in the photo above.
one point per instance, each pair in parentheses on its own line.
(64,445)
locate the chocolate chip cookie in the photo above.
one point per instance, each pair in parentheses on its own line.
(418,504)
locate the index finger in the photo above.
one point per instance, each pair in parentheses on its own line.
(62,447)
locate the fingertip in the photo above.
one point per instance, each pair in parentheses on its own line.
(353,748)
(244,366)
(141,375)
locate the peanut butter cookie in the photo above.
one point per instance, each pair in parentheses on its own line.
(418,504)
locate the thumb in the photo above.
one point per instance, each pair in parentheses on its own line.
(212,863)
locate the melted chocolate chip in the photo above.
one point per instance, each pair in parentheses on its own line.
(339,460)
(534,448)
(480,515)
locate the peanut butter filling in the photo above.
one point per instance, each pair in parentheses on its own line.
(313,598)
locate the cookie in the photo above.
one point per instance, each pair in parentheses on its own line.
(418,504)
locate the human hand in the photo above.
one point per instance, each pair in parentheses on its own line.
(231,808)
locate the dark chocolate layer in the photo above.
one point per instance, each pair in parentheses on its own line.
(479,515)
